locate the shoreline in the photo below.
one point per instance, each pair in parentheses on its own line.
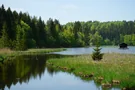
(113,70)
(7,53)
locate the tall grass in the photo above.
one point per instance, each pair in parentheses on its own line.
(120,67)
(44,50)
(7,53)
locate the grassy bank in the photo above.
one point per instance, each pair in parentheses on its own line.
(7,53)
(113,70)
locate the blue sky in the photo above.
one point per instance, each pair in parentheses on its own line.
(75,10)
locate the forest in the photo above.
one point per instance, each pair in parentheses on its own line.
(20,31)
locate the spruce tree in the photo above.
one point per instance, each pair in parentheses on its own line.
(4,40)
(97,55)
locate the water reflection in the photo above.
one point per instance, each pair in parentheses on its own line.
(30,72)
(22,69)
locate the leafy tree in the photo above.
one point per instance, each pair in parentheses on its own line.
(107,41)
(80,40)
(121,38)
(96,37)
(67,38)
(76,29)
(22,36)
(129,39)
(57,31)
(51,33)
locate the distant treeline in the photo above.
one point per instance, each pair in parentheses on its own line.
(20,31)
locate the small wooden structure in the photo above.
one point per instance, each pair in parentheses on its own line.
(123,46)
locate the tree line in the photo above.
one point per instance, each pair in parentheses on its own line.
(20,31)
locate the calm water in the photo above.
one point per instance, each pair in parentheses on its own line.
(31,73)
(89,50)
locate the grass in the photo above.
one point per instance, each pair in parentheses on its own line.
(41,51)
(7,53)
(113,69)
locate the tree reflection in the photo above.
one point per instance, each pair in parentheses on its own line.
(21,69)
(24,68)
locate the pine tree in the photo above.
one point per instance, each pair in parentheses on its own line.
(4,41)
(97,55)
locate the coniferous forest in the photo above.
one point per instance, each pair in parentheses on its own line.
(20,31)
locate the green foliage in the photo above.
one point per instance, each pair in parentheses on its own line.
(96,38)
(67,38)
(4,40)
(129,39)
(97,55)
(111,67)
(107,42)
(31,43)
(20,31)
(21,36)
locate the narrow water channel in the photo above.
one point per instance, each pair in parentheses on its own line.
(31,73)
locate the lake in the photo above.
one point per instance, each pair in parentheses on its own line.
(29,72)
(89,50)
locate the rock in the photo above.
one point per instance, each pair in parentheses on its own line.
(100,79)
(123,88)
(80,73)
(65,68)
(91,75)
(107,85)
(115,81)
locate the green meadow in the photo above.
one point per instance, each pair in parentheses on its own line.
(113,70)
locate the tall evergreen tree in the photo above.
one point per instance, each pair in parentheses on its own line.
(41,33)
(2,18)
(4,40)
(97,55)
